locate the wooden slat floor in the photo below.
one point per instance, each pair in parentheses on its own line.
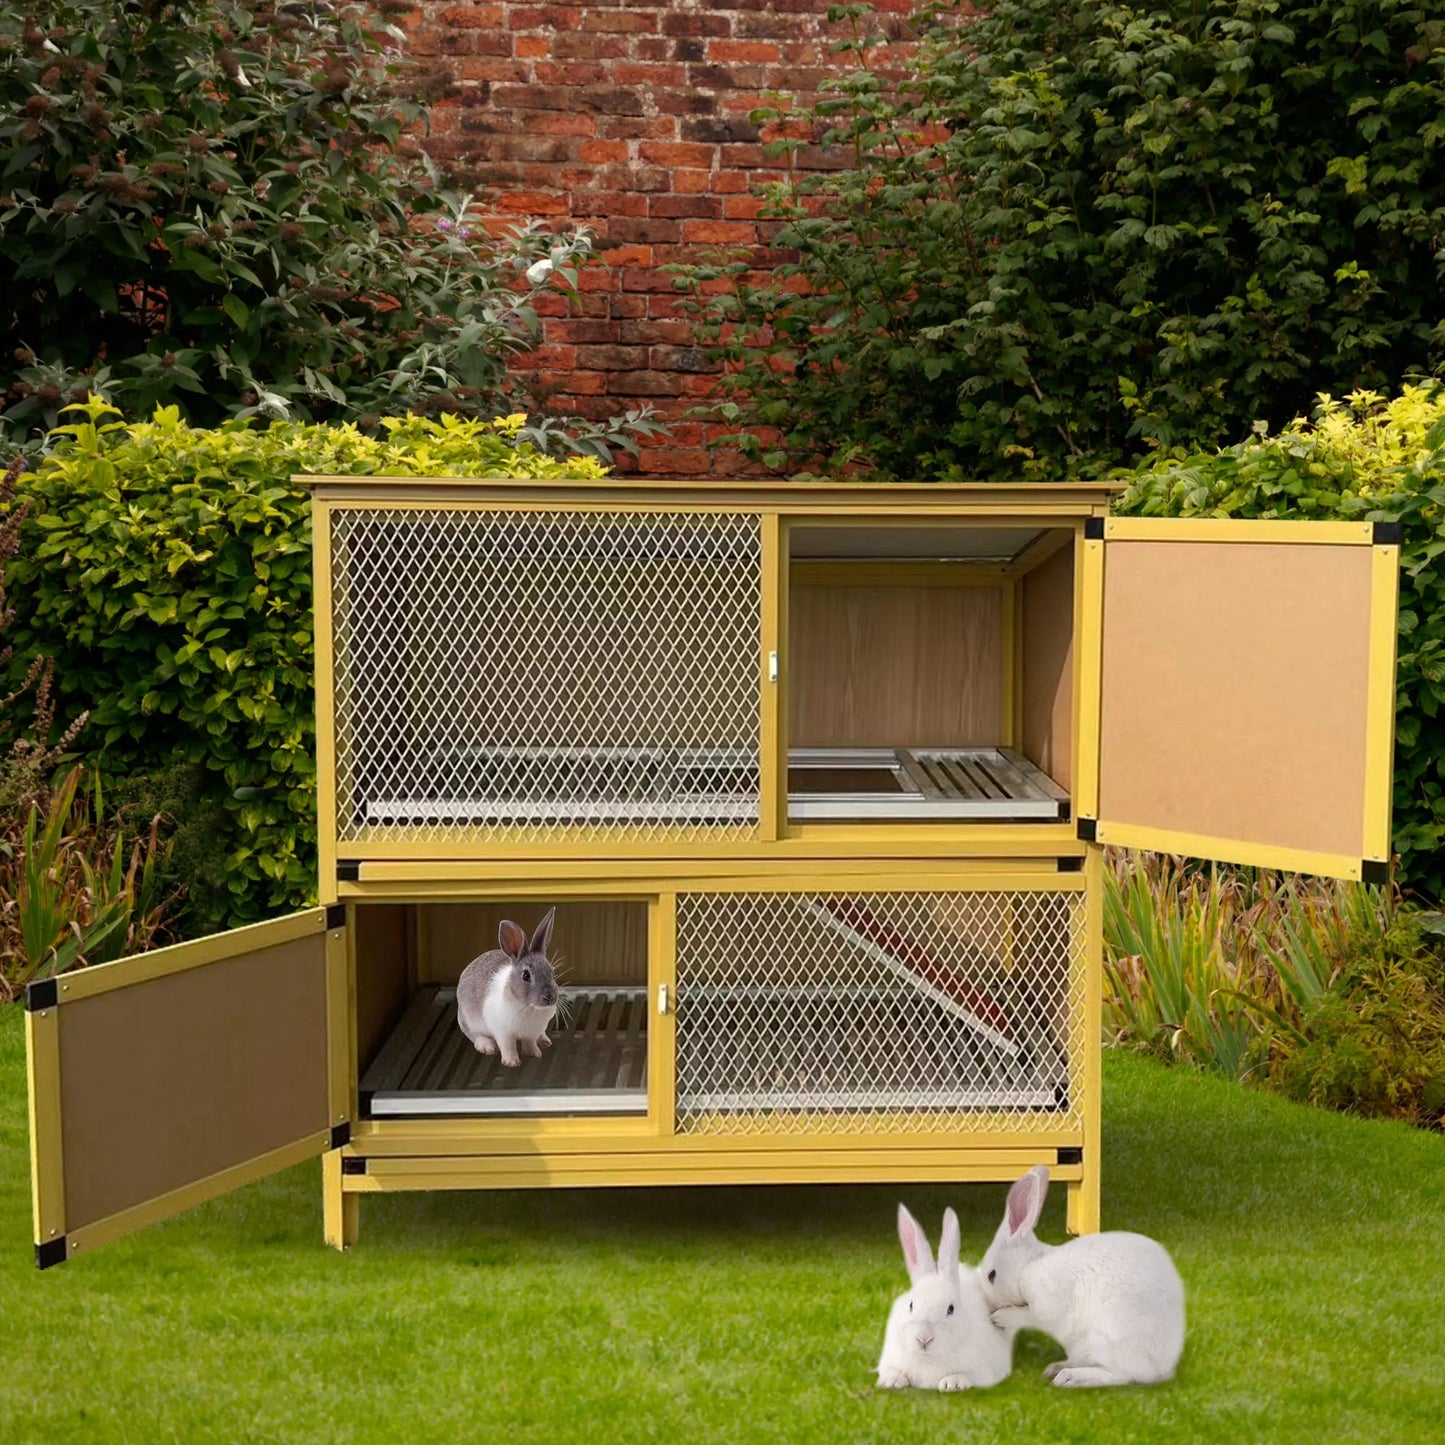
(597,1062)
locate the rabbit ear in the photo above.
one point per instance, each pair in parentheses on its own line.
(1026,1200)
(948,1244)
(916,1253)
(543,936)
(512,939)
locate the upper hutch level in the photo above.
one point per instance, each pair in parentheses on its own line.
(638,669)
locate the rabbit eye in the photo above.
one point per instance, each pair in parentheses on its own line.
(526,975)
(991,1274)
(910,1306)
(950,1309)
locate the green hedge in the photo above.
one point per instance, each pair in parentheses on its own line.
(167,571)
(1362,459)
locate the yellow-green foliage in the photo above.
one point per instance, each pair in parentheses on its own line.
(167,571)
(1368,437)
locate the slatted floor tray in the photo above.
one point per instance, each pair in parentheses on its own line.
(597,1063)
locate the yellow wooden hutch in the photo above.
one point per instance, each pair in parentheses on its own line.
(817,777)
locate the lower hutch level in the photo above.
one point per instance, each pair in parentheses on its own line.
(932,1022)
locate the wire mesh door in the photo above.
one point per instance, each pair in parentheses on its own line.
(520,675)
(878,1012)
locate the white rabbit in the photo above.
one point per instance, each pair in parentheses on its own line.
(939,1335)
(1114,1301)
(506,998)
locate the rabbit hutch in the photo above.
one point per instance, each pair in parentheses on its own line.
(817,778)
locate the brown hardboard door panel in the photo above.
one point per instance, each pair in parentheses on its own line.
(171,1077)
(1246,694)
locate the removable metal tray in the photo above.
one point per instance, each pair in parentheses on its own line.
(924,783)
(595,786)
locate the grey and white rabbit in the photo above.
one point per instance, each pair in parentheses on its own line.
(1114,1301)
(506,998)
(939,1334)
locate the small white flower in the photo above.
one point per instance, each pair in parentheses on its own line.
(538,271)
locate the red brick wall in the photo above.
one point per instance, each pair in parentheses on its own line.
(631,118)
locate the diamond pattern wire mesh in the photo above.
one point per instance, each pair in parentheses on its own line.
(877,1012)
(515,675)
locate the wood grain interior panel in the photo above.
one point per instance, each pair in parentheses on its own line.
(383,982)
(592,942)
(1233,690)
(166,1082)
(884,666)
(1046,660)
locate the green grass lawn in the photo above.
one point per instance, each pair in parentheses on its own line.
(1311,1246)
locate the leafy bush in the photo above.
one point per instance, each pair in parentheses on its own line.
(1362,458)
(1074,232)
(1330,993)
(199,838)
(29,751)
(167,570)
(69,891)
(221,205)
(1375,1042)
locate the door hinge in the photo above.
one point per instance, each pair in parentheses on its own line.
(43,993)
(53,1251)
(772,667)
(663,998)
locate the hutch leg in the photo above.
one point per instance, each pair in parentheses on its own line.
(340,1212)
(1082,1215)
(1083,1202)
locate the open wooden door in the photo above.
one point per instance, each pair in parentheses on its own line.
(1237,685)
(163,1080)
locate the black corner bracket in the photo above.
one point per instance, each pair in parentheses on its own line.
(1070,1156)
(1088,830)
(43,993)
(53,1251)
(363,1104)
(1093,529)
(1387,534)
(336,915)
(348,871)
(1372,871)
(353,1165)
(340,1134)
